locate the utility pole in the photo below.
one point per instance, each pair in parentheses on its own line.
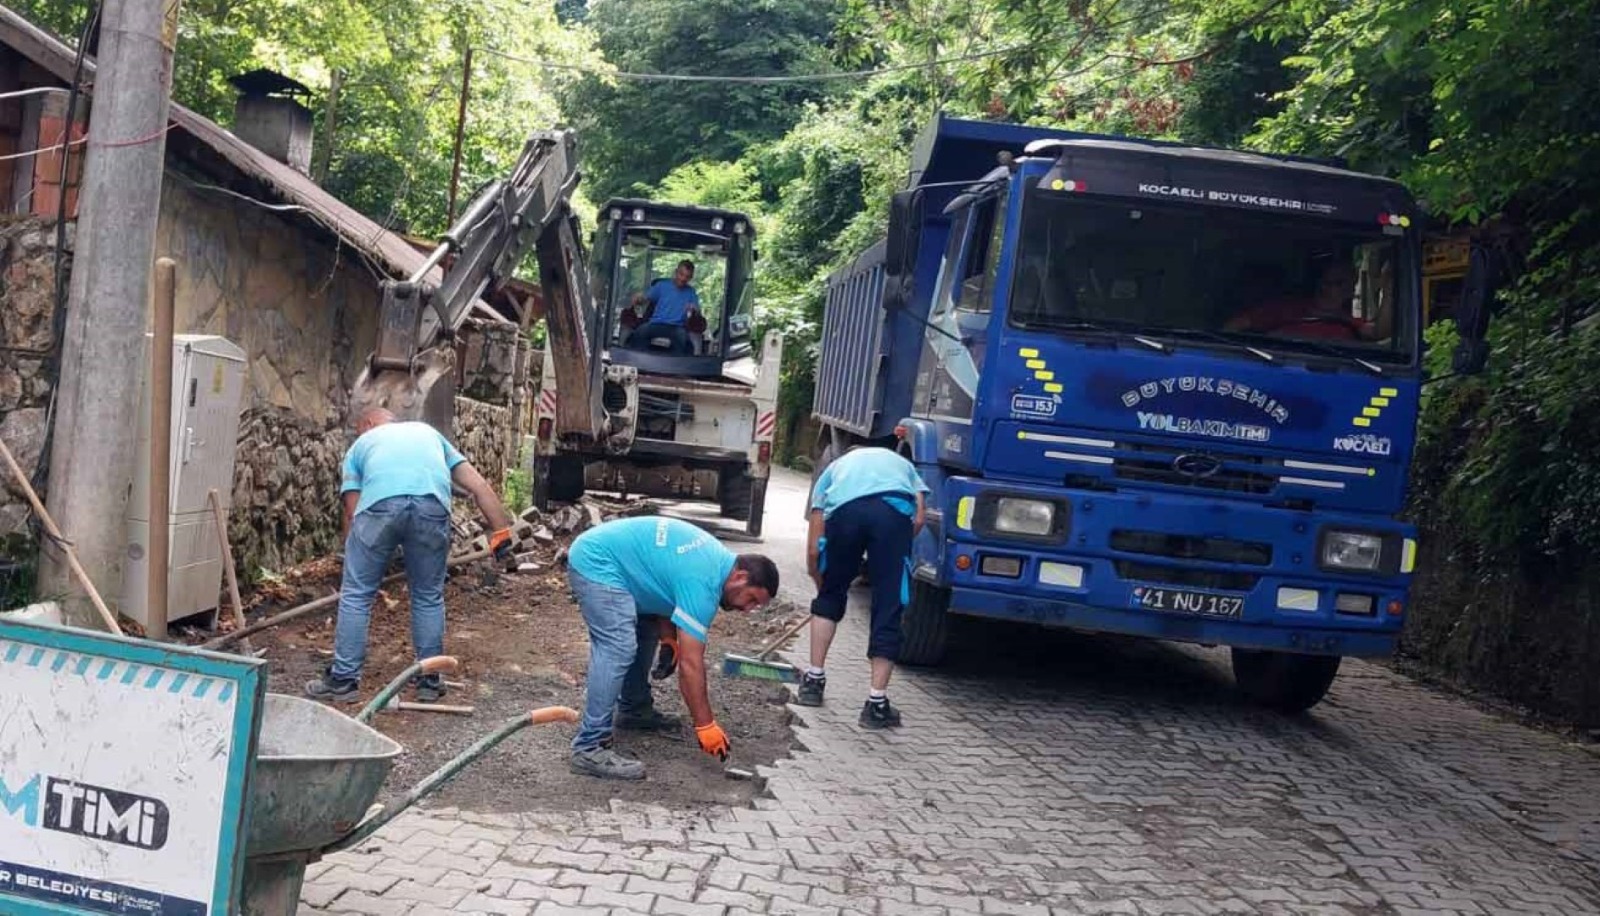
(102,359)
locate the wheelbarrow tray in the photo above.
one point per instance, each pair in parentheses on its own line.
(317,773)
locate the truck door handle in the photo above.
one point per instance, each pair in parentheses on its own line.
(188,443)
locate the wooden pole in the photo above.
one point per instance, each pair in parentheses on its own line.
(159,559)
(227,558)
(50,528)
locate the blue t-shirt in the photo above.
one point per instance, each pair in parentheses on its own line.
(671,568)
(672,304)
(400,459)
(868,472)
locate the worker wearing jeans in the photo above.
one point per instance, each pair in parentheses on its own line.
(868,502)
(641,581)
(396,493)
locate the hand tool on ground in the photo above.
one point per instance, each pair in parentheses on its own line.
(60,541)
(759,667)
(318,604)
(438,664)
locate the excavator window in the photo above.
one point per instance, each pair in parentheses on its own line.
(647,274)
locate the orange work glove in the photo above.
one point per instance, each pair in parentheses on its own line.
(713,740)
(500,544)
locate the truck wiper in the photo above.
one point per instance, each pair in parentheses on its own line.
(1155,345)
(1223,339)
(1337,353)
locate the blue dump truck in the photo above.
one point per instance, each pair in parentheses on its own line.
(1154,389)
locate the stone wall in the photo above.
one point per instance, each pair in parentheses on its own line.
(304,308)
(27,311)
(483,434)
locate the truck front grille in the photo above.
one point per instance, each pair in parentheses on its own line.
(1157,464)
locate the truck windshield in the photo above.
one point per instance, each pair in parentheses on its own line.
(669,291)
(1213,275)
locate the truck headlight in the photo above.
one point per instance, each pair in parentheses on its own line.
(1351,550)
(1030,517)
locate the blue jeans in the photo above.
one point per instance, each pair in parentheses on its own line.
(676,333)
(622,644)
(420,526)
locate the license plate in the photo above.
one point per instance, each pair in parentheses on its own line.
(1184,601)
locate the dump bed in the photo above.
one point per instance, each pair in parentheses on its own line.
(849,381)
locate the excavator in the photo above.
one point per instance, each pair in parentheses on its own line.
(621,406)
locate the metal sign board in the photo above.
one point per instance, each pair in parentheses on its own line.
(124,770)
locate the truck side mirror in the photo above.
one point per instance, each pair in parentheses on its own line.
(1473,312)
(900,250)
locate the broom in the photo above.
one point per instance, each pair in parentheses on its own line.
(759,667)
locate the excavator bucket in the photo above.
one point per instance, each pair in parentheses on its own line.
(412,384)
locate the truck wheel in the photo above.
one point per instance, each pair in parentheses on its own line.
(758,507)
(1288,682)
(925,625)
(734,491)
(565,479)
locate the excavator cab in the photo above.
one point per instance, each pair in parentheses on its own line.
(673,286)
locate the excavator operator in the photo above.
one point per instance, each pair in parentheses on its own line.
(671,304)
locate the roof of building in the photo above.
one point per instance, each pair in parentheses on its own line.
(387,250)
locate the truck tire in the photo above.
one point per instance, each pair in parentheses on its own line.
(925,625)
(541,483)
(1288,682)
(734,491)
(758,507)
(564,479)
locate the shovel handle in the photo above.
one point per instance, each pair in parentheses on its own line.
(445,773)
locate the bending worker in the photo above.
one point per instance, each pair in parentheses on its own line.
(869,501)
(641,582)
(396,493)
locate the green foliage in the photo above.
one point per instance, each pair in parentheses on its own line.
(402,62)
(516,490)
(634,133)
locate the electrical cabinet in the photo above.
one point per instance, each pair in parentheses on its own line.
(207,385)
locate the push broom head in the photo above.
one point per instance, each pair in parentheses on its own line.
(745,666)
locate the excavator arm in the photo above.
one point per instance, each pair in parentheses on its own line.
(411,371)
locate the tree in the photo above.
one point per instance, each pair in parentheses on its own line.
(634,133)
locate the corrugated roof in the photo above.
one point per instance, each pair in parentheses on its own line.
(387,249)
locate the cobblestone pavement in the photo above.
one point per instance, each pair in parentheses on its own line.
(1053,775)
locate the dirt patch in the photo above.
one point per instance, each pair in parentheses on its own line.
(522,644)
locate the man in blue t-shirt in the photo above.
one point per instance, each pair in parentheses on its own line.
(396,493)
(670,302)
(641,582)
(869,501)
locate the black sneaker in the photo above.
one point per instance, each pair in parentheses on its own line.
(430,687)
(333,689)
(879,715)
(651,720)
(811,687)
(606,764)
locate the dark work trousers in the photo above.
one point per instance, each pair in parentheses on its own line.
(868,526)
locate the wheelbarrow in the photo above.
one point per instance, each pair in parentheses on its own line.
(317,772)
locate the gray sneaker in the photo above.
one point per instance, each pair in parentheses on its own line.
(606,764)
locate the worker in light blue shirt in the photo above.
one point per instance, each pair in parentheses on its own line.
(396,493)
(670,304)
(641,582)
(868,502)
